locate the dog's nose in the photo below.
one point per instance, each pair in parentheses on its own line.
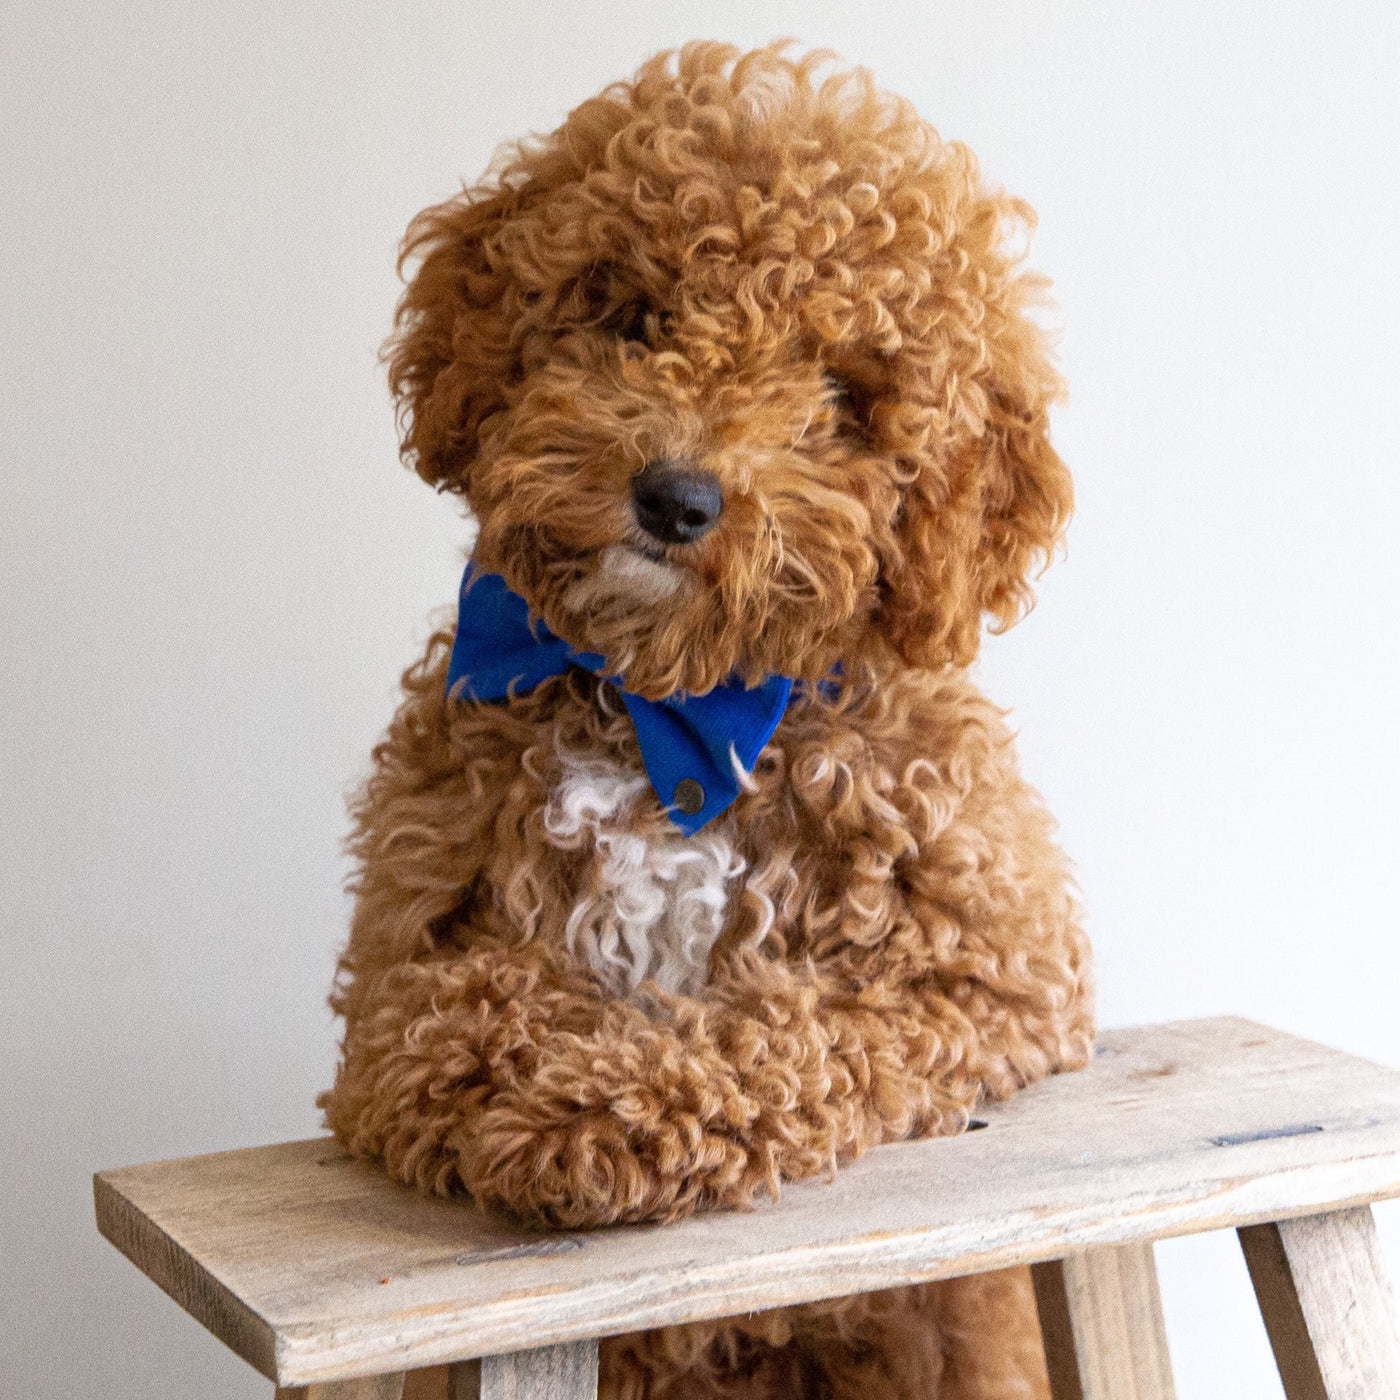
(675,502)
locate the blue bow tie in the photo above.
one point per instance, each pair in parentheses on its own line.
(690,743)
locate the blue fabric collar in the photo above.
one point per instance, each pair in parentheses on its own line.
(690,744)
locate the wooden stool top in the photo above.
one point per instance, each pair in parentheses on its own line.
(314,1267)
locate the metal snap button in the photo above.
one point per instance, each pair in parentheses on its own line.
(689,796)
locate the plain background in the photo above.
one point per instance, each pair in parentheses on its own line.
(212,568)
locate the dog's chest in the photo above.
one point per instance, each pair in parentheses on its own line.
(649,903)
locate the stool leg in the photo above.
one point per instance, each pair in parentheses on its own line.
(1327,1305)
(1101,1317)
(464,1380)
(567,1372)
(361,1388)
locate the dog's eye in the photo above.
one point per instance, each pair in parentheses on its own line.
(602,298)
(630,321)
(850,403)
(638,323)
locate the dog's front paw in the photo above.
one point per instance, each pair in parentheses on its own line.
(588,1158)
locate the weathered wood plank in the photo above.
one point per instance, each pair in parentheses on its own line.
(566,1372)
(1101,1317)
(184,1276)
(314,1267)
(1328,1306)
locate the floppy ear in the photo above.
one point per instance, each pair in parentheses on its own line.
(971,533)
(451,352)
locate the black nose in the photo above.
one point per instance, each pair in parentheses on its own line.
(675,502)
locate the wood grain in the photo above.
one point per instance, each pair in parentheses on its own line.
(184,1276)
(1101,1317)
(314,1267)
(1327,1304)
(565,1372)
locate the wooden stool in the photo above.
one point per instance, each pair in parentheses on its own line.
(335,1283)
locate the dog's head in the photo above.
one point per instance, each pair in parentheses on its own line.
(736,372)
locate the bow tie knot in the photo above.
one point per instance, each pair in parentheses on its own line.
(695,748)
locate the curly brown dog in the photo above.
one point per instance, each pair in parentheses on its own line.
(737,373)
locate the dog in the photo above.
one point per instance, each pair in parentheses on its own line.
(693,862)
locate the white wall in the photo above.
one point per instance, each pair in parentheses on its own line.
(212,568)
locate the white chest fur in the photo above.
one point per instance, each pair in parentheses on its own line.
(651,902)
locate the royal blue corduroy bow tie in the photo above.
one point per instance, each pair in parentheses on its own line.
(690,743)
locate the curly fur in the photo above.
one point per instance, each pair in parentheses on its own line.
(552,1001)
(654,904)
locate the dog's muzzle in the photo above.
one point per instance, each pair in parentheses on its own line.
(675,502)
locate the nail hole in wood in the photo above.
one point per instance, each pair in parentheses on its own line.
(1264,1134)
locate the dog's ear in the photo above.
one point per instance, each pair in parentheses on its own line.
(977,523)
(452,351)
